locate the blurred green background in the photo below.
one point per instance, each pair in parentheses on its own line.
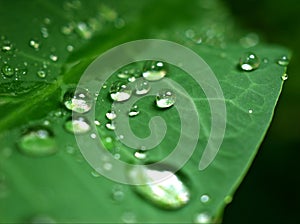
(270,191)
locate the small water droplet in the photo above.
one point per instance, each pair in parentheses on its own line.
(97,123)
(117,193)
(154,70)
(283,61)
(53,57)
(111,115)
(123,75)
(78,100)
(249,61)
(284,77)
(93,136)
(67,29)
(265,60)
(119,91)
(168,191)
(38,141)
(8,70)
(131,79)
(47,21)
(190,34)
(110,126)
(228,199)
(78,125)
(134,111)
(165,98)
(70,149)
(34,44)
(107,166)
(117,156)
(142,87)
(83,30)
(41,73)
(7,46)
(250,111)
(70,48)
(95,173)
(128,217)
(203,218)
(204,198)
(44,32)
(140,154)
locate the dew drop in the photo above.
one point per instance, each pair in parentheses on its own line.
(249,62)
(34,44)
(134,111)
(110,126)
(53,57)
(8,70)
(119,91)
(83,30)
(131,79)
(165,98)
(140,154)
(93,136)
(123,75)
(78,100)
(41,73)
(67,30)
(284,77)
(169,192)
(154,70)
(111,115)
(204,198)
(38,141)
(97,123)
(250,111)
(117,193)
(107,166)
(70,48)
(44,32)
(7,46)
(228,199)
(78,125)
(203,218)
(283,61)
(128,217)
(142,87)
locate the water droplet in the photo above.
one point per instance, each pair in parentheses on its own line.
(78,125)
(204,198)
(284,77)
(142,87)
(41,73)
(53,57)
(97,123)
(250,111)
(95,173)
(190,34)
(123,75)
(203,218)
(83,30)
(128,217)
(249,62)
(44,32)
(283,61)
(67,30)
(154,70)
(70,48)
(78,100)
(110,126)
(117,193)
(107,166)
(34,44)
(93,136)
(140,154)
(70,149)
(111,115)
(265,60)
(47,21)
(169,192)
(228,199)
(134,111)
(119,91)
(131,79)
(165,98)
(8,70)
(38,141)
(7,46)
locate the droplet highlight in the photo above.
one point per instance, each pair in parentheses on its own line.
(283,61)
(78,125)
(119,91)
(78,100)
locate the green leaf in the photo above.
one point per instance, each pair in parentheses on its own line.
(60,39)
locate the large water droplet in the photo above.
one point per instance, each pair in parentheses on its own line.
(119,91)
(78,125)
(78,100)
(142,87)
(165,98)
(154,70)
(203,218)
(168,193)
(8,70)
(34,44)
(249,61)
(283,61)
(38,141)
